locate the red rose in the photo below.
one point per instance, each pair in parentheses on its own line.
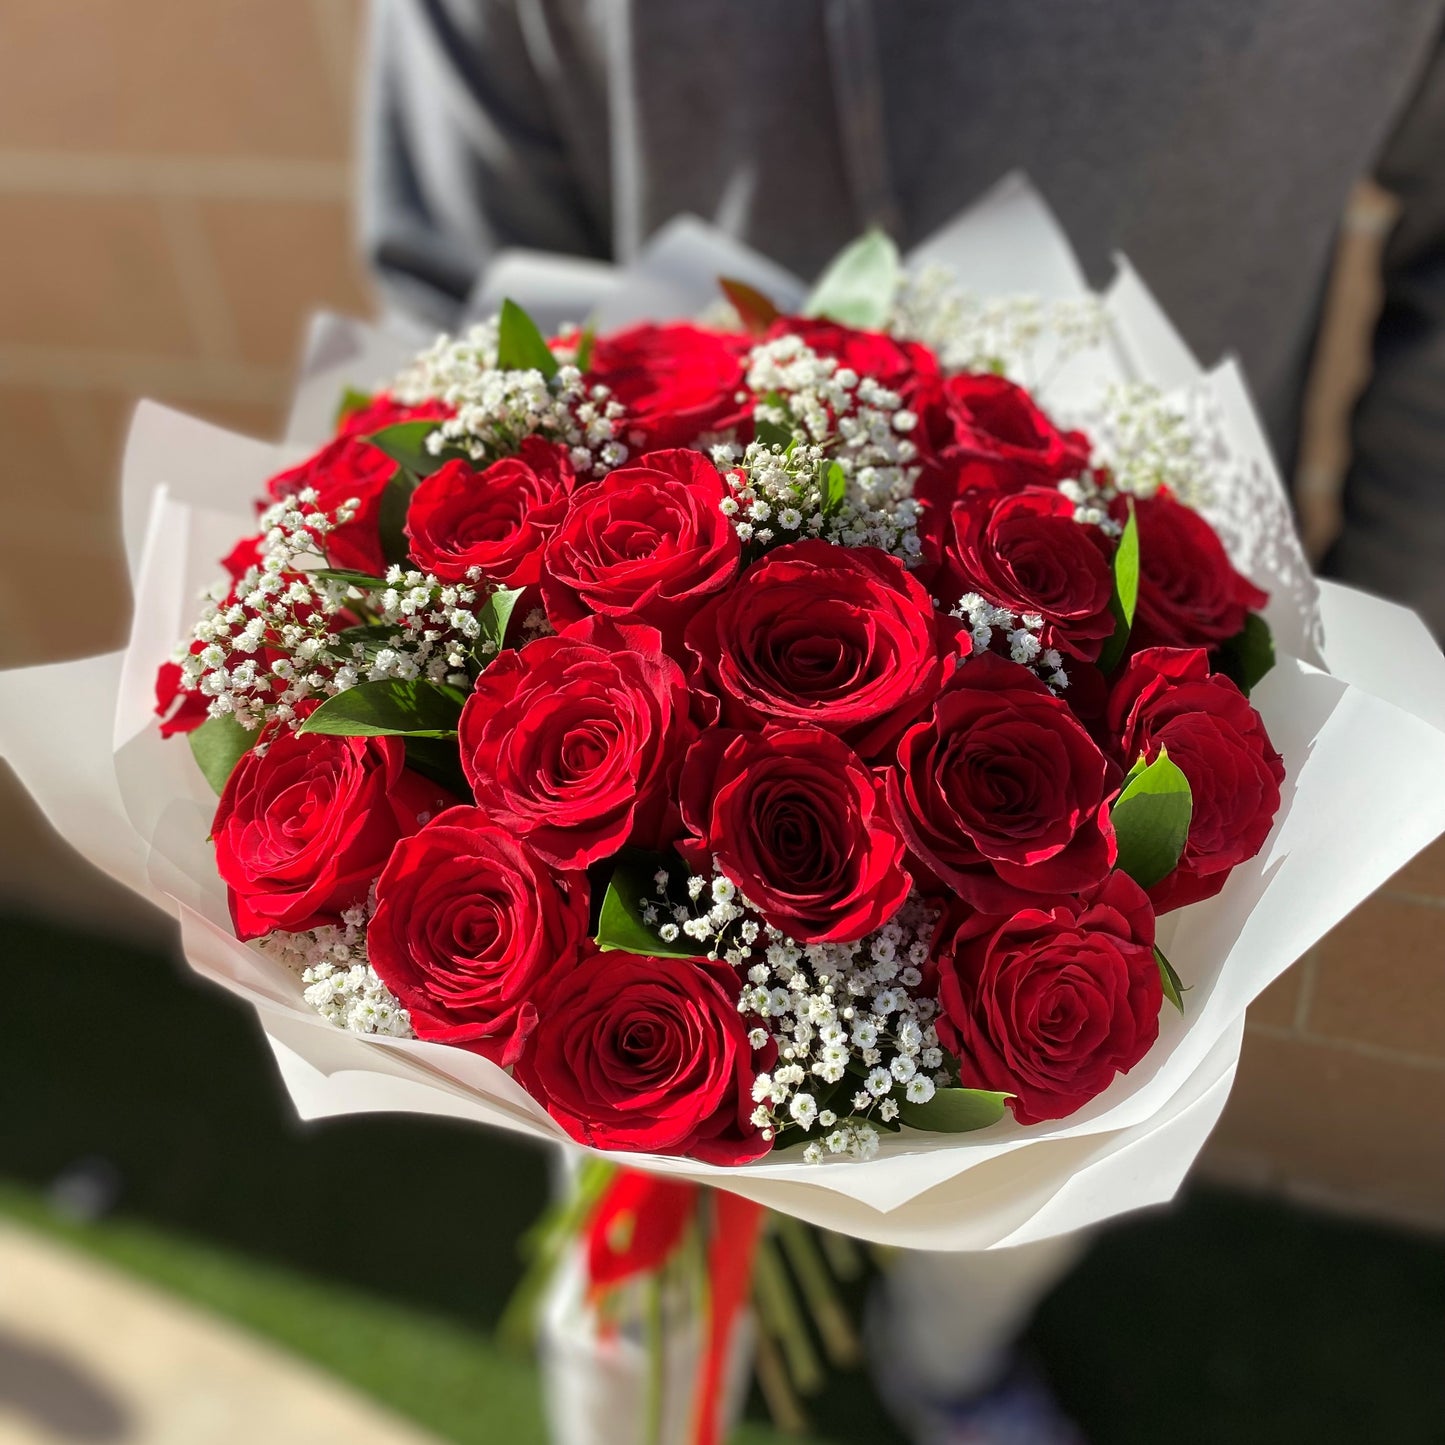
(646,542)
(797,821)
(1024,551)
(676,382)
(1189,594)
(647,1054)
(304,827)
(469,922)
(1000,790)
(1168,698)
(495,520)
(344,469)
(901,366)
(1050,1004)
(384,410)
(841,637)
(987,420)
(179,711)
(573,743)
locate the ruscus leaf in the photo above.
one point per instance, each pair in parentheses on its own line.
(1126,594)
(1151,819)
(955,1111)
(389,707)
(858,287)
(756,310)
(1169,980)
(520,345)
(405,444)
(217,746)
(1247,656)
(620,924)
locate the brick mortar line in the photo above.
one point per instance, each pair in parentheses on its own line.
(1378,1053)
(201,177)
(192,378)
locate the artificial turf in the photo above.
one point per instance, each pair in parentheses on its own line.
(382,1248)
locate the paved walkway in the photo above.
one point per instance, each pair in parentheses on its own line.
(89,1354)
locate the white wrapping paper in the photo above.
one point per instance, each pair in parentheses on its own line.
(1356,706)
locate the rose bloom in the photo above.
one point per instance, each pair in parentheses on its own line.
(348,468)
(574,742)
(1000,791)
(1167,698)
(1189,594)
(384,410)
(842,637)
(798,822)
(647,542)
(647,1054)
(469,923)
(495,520)
(1050,1003)
(304,828)
(676,381)
(906,367)
(1024,551)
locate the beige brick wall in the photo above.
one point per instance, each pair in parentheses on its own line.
(174,193)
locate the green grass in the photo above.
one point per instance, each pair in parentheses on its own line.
(383,1248)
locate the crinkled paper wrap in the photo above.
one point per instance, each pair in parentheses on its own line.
(1356,706)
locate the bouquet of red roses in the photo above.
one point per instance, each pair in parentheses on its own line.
(748,737)
(836,729)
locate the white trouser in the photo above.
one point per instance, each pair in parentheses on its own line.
(948,1321)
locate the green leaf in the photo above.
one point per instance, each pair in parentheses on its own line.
(391,707)
(391,516)
(835,488)
(1151,819)
(362,581)
(217,746)
(439,760)
(520,346)
(756,310)
(955,1111)
(620,924)
(586,340)
(858,286)
(1248,655)
(351,401)
(773,433)
(494,617)
(405,444)
(371,639)
(1126,593)
(1173,989)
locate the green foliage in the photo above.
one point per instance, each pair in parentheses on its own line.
(1248,655)
(1126,593)
(620,924)
(955,1111)
(1169,980)
(1151,819)
(756,310)
(390,707)
(858,287)
(520,345)
(217,746)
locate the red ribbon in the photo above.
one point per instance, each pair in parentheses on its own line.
(636,1225)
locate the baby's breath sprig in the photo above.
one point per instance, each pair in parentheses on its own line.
(341,984)
(291,631)
(851,1022)
(494,409)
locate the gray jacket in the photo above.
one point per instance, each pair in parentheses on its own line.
(1213,141)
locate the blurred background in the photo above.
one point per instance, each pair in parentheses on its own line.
(176,184)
